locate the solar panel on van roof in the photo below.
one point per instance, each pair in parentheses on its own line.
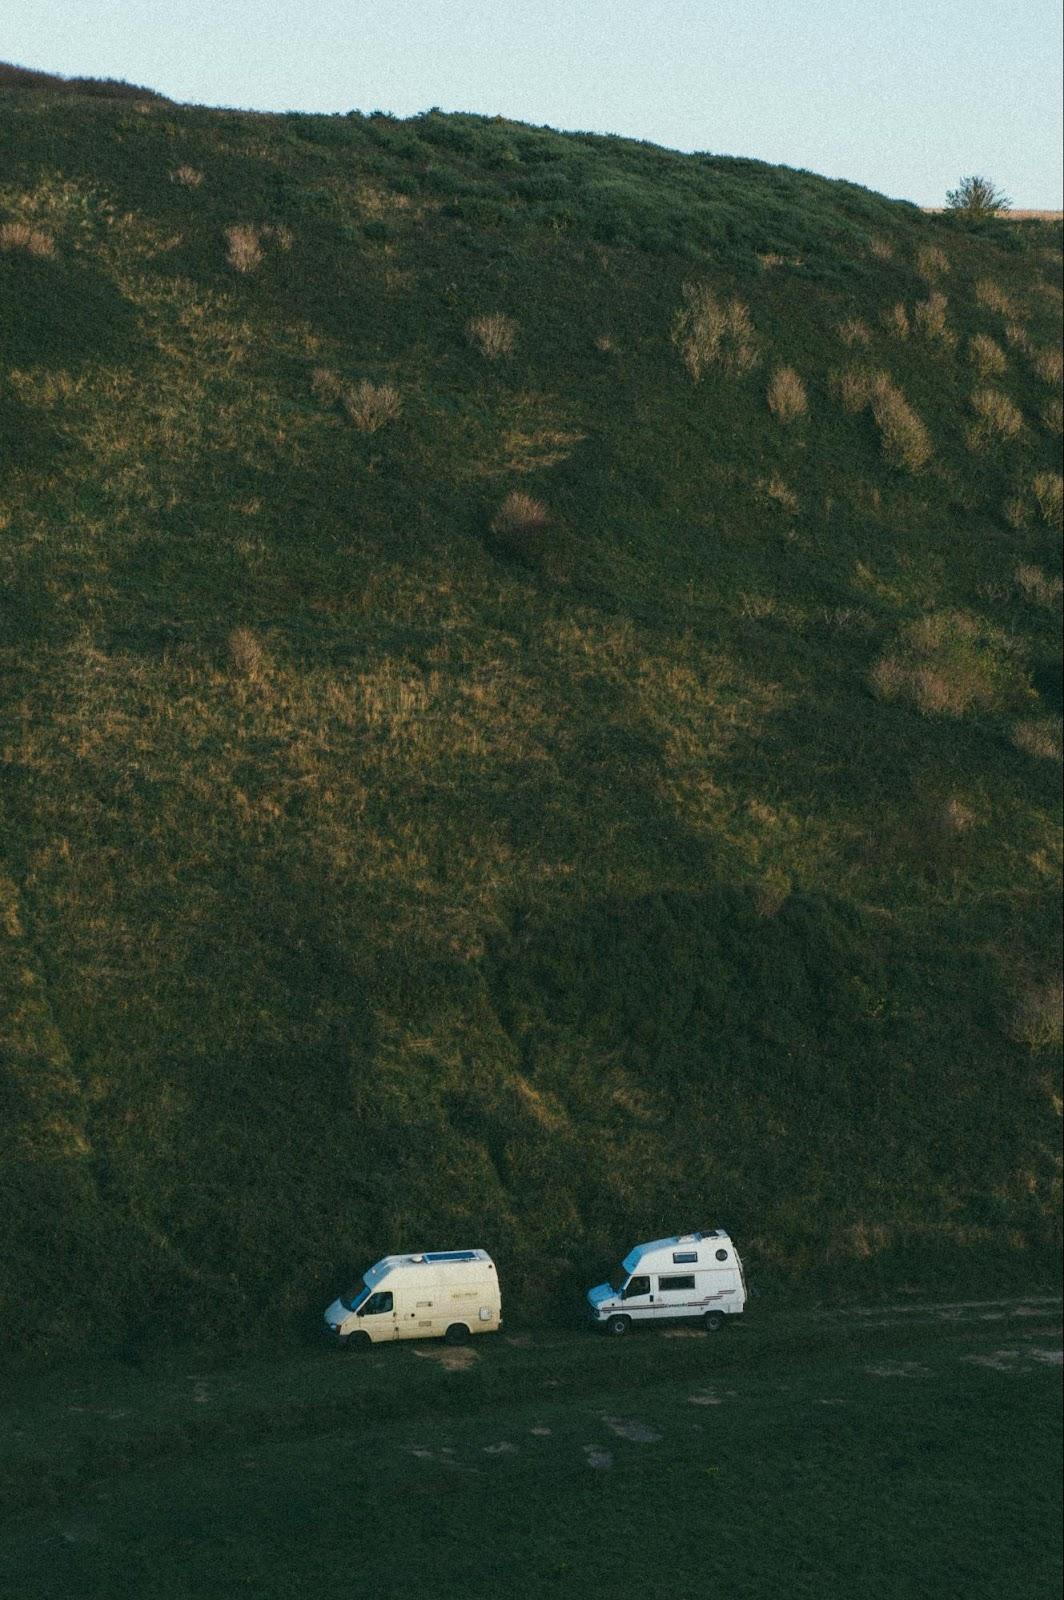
(452,1255)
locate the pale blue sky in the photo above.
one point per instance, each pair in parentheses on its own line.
(905,96)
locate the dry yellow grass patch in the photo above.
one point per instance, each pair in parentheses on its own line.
(246,655)
(325,385)
(1038,1020)
(1048,490)
(896,320)
(520,516)
(988,358)
(1053,415)
(852,330)
(1039,737)
(992,295)
(493,334)
(21,236)
(245,250)
(998,419)
(881,248)
(1017,336)
(947,663)
(372,405)
(528,449)
(931,262)
(777,493)
(187,177)
(1037,586)
(905,440)
(1049,365)
(708,332)
(786,396)
(929,319)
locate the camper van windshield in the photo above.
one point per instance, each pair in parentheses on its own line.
(354,1297)
(618,1278)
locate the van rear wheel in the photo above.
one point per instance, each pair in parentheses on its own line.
(713,1321)
(618,1326)
(457,1333)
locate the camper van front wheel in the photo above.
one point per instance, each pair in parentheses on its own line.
(618,1326)
(713,1321)
(457,1333)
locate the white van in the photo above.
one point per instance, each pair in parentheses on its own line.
(446,1294)
(693,1277)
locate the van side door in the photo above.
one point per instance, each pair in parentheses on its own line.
(379,1316)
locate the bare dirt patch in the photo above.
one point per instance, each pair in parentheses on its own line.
(634,1432)
(453,1358)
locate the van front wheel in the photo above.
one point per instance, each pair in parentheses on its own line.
(713,1321)
(457,1333)
(618,1326)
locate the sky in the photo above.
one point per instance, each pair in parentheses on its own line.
(904,96)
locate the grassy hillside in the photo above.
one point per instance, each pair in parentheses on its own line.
(530,714)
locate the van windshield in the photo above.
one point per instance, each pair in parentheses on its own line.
(354,1297)
(617,1279)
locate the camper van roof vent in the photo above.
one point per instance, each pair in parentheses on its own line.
(417,1258)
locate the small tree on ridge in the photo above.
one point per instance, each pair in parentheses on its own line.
(977,197)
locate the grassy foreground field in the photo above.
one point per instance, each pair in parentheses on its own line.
(530,716)
(904,1452)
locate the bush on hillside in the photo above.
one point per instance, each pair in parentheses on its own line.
(245,251)
(998,419)
(988,358)
(371,405)
(493,335)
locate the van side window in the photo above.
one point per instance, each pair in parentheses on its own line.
(381,1301)
(676,1283)
(680,1257)
(635,1287)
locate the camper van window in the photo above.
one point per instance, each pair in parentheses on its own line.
(676,1283)
(681,1256)
(618,1279)
(354,1297)
(381,1301)
(637,1286)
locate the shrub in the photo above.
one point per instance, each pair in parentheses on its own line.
(187,177)
(931,262)
(325,385)
(245,251)
(706,332)
(977,197)
(1040,737)
(371,405)
(896,320)
(786,395)
(1017,336)
(1049,492)
(1038,1020)
(929,317)
(20,236)
(881,248)
(494,334)
(988,358)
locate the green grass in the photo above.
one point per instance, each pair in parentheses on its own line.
(912,1453)
(370,882)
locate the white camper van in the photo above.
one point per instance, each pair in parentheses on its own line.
(447,1294)
(694,1277)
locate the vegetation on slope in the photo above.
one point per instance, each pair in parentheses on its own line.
(530,712)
